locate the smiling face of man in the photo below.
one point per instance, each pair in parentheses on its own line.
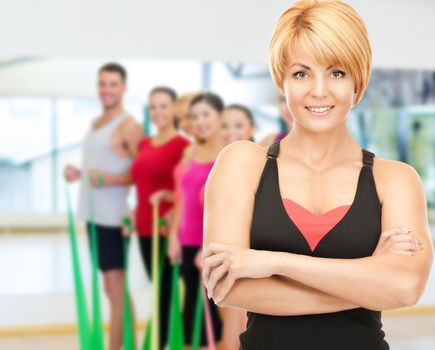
(111,88)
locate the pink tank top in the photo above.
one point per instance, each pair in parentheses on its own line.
(314,227)
(192,184)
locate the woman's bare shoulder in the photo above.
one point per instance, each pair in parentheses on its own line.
(243,154)
(241,162)
(187,153)
(188,149)
(393,175)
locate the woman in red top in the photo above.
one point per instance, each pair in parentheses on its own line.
(152,174)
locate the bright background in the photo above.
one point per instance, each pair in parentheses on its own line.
(49,57)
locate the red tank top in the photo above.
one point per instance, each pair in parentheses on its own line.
(152,170)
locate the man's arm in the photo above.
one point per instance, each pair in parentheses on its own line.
(132,134)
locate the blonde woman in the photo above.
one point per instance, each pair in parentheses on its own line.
(315,236)
(182,119)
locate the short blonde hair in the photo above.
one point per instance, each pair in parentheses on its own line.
(187,98)
(329,30)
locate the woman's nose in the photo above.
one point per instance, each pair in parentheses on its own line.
(319,88)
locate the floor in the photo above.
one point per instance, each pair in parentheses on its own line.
(37,301)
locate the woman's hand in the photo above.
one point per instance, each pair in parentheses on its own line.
(159,196)
(397,241)
(221,261)
(174,249)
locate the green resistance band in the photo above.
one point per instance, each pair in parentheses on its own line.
(176,328)
(100,180)
(197,321)
(97,334)
(146,122)
(81,307)
(128,324)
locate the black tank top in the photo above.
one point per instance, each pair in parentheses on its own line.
(356,235)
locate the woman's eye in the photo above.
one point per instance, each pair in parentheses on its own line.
(338,74)
(300,75)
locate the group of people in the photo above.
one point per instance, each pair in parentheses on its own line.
(169,170)
(311,234)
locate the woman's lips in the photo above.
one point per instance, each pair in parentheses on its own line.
(319,110)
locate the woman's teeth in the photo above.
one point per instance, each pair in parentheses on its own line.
(320,110)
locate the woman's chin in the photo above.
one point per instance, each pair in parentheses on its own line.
(319,126)
(161,124)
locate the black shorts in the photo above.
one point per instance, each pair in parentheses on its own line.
(110,247)
(191,276)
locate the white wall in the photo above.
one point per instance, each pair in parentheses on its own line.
(402,31)
(76,77)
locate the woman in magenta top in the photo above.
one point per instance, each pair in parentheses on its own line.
(192,184)
(186,235)
(152,174)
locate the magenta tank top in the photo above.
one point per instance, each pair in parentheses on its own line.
(192,184)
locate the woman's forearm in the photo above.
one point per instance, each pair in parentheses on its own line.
(376,282)
(281,297)
(175,222)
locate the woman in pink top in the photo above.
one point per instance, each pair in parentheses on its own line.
(185,240)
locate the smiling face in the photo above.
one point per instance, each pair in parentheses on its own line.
(319,95)
(111,88)
(162,109)
(182,116)
(205,120)
(330,32)
(236,126)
